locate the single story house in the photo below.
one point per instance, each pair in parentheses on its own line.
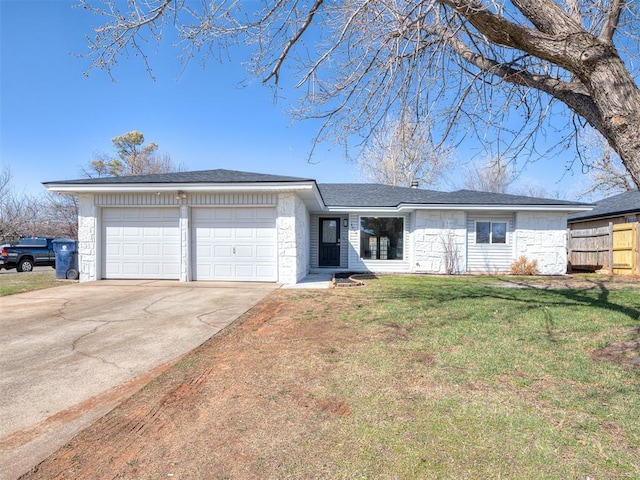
(239,226)
(621,208)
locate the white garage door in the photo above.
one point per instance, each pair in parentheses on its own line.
(234,244)
(141,243)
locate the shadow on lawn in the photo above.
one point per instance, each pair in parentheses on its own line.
(583,295)
(527,296)
(587,292)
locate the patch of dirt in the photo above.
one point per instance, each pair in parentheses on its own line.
(625,353)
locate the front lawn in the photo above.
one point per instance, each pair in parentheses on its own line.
(13,282)
(481,378)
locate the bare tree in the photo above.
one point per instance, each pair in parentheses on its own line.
(24,215)
(132,158)
(401,153)
(493,176)
(606,174)
(473,67)
(59,218)
(17,212)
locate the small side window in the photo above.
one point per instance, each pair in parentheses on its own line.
(483,232)
(499,232)
(491,232)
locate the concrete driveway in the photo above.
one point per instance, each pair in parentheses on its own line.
(70,354)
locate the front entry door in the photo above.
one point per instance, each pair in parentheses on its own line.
(329,255)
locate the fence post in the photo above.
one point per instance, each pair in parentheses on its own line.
(636,247)
(611,248)
(569,250)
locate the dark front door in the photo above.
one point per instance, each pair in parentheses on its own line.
(329,255)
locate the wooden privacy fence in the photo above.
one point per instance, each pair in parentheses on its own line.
(625,248)
(613,248)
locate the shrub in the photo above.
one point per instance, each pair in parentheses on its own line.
(524,266)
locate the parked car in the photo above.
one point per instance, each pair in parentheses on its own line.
(29,252)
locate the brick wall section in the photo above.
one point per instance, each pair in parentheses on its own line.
(433,230)
(543,236)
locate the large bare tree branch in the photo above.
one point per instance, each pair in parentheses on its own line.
(469,67)
(612,20)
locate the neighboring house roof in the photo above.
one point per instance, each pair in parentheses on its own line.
(621,204)
(332,196)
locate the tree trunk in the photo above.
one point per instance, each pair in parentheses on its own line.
(617,98)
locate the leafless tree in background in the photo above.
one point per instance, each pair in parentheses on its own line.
(494,176)
(606,175)
(60,216)
(401,152)
(25,215)
(502,72)
(17,212)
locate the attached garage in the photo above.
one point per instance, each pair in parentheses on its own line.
(141,243)
(234,244)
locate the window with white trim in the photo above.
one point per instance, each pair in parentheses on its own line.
(491,232)
(381,238)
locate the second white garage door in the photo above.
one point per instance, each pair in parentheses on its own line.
(236,244)
(141,243)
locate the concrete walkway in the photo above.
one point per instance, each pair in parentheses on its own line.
(70,354)
(313,280)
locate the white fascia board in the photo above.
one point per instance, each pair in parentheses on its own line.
(361,209)
(510,208)
(186,187)
(504,208)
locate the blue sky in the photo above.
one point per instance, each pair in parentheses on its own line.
(53,119)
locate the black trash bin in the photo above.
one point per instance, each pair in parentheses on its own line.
(66,250)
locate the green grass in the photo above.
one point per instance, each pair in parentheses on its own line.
(11,283)
(463,378)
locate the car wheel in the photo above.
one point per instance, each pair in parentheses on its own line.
(25,265)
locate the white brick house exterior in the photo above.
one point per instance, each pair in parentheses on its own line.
(227,225)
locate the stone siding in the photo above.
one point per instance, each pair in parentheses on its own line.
(88,255)
(286,238)
(437,235)
(303,220)
(542,236)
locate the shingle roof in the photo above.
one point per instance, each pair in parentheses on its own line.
(376,195)
(372,195)
(333,194)
(627,202)
(203,176)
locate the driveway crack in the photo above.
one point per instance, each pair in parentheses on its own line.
(76,349)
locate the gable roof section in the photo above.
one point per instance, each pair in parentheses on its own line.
(623,203)
(220,180)
(370,196)
(203,176)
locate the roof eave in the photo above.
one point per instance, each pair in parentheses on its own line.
(604,216)
(171,187)
(404,207)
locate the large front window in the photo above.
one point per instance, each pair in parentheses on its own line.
(381,238)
